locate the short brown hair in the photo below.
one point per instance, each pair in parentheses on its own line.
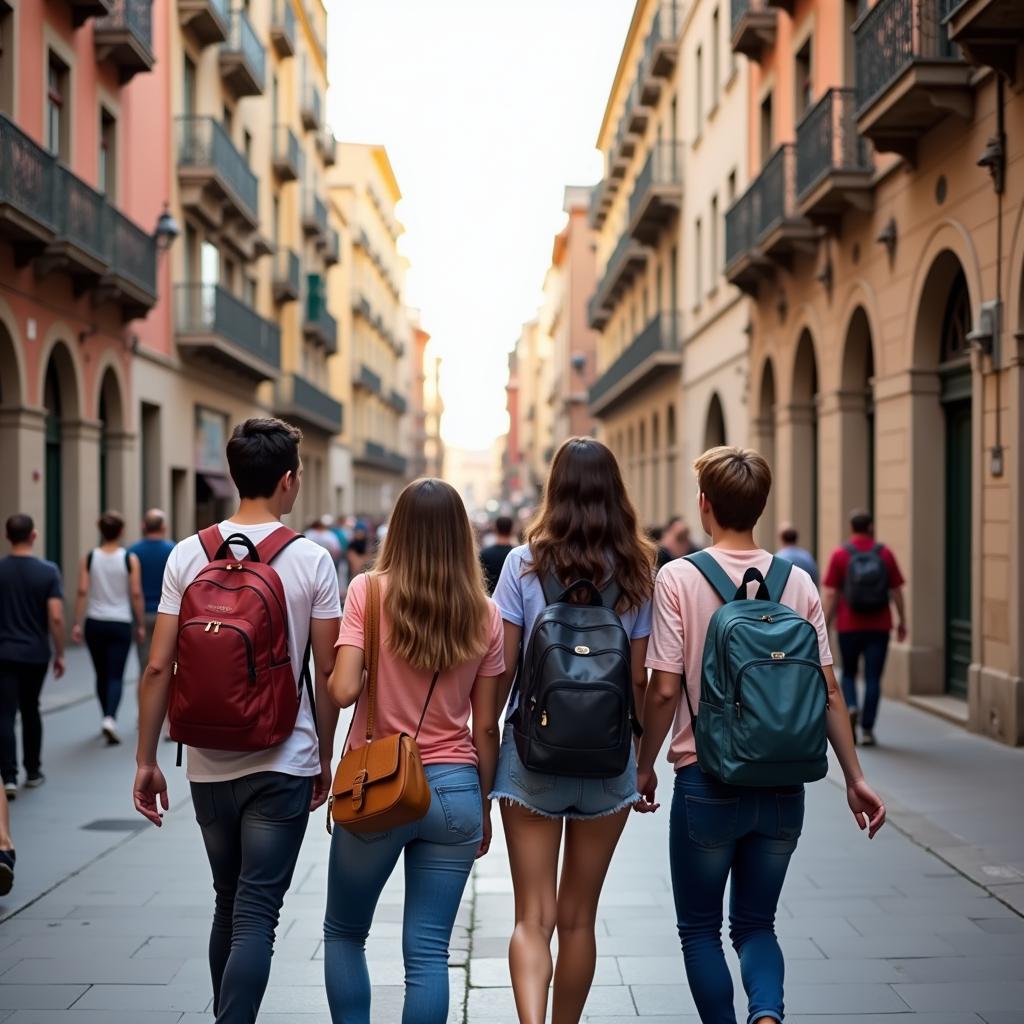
(111,525)
(736,482)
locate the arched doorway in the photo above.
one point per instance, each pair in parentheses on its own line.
(714,424)
(112,425)
(59,401)
(10,404)
(764,442)
(803,462)
(857,473)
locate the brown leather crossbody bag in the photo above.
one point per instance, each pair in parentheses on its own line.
(380,785)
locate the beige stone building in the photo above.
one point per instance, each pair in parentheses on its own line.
(533,376)
(364,189)
(426,408)
(251,330)
(882,240)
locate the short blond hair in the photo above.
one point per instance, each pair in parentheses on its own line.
(736,482)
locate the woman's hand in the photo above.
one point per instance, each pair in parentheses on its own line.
(76,634)
(485,843)
(866,804)
(647,784)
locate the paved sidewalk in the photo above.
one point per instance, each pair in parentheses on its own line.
(109,927)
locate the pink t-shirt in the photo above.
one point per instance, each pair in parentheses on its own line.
(402,690)
(684,602)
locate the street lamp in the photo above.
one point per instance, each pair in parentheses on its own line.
(167,230)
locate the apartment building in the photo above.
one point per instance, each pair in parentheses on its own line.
(882,243)
(80,260)
(364,189)
(426,408)
(512,476)
(533,428)
(568,285)
(246,329)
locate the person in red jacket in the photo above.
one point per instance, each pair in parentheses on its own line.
(861,583)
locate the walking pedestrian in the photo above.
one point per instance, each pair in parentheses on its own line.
(152,551)
(585,530)
(718,830)
(494,554)
(252,798)
(439,657)
(675,541)
(791,551)
(109,597)
(861,583)
(7,854)
(31,618)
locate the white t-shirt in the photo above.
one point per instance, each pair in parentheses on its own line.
(109,587)
(311,592)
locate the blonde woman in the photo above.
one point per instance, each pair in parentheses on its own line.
(436,618)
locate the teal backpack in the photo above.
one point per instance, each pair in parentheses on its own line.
(763,695)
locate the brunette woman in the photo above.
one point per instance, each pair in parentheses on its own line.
(435,617)
(585,529)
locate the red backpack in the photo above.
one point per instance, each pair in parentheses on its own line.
(233,686)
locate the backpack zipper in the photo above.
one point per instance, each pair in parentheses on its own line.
(738,704)
(250,658)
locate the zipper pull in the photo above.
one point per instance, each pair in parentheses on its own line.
(543,718)
(209,626)
(174,669)
(216,627)
(739,710)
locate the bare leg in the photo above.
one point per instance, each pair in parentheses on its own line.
(589,846)
(5,823)
(533,842)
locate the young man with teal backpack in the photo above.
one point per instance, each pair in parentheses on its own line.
(742,673)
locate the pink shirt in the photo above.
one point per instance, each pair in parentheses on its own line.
(402,690)
(683,605)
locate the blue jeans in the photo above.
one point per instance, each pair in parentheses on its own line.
(253,829)
(717,831)
(872,645)
(439,853)
(109,644)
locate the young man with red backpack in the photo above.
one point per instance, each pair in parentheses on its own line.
(243,604)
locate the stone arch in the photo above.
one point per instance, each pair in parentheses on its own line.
(14,496)
(855,408)
(114,440)
(763,434)
(715,433)
(799,421)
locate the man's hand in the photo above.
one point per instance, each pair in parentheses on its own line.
(485,843)
(647,784)
(58,666)
(149,789)
(321,787)
(866,804)
(140,637)
(901,632)
(76,634)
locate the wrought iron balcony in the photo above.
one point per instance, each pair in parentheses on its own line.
(309,107)
(625,262)
(376,455)
(27,216)
(287,154)
(332,248)
(658,192)
(125,37)
(600,201)
(82,10)
(327,146)
(637,113)
(753,27)
(212,323)
(988,32)
(216,182)
(743,262)
(656,349)
(282,28)
(243,59)
(833,171)
(209,21)
(597,314)
(368,380)
(319,326)
(130,280)
(287,275)
(298,400)
(662,46)
(909,74)
(79,248)
(398,402)
(780,230)
(314,214)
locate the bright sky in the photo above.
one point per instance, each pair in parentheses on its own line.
(488,110)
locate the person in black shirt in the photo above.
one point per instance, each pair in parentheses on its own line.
(31,614)
(675,541)
(493,556)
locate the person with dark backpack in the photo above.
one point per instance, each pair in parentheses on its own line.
(742,673)
(576,604)
(862,581)
(244,604)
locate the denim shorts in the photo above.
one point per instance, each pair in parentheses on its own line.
(559,796)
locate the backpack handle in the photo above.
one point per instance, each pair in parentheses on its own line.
(224,551)
(753,575)
(596,598)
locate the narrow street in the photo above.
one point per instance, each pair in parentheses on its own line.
(107,922)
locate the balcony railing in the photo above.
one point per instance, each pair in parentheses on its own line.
(314,213)
(82,10)
(398,402)
(662,44)
(657,345)
(296,398)
(328,147)
(243,60)
(658,191)
(26,186)
(777,185)
(212,320)
(988,32)
(125,36)
(282,28)
(379,456)
(320,325)
(624,262)
(287,275)
(309,107)
(332,248)
(740,235)
(80,220)
(207,155)
(131,254)
(287,153)
(208,20)
(368,380)
(753,27)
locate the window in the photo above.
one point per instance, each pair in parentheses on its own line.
(767,128)
(716,58)
(852,12)
(276,223)
(698,261)
(713,228)
(698,90)
(107,176)
(209,263)
(229,122)
(188,87)
(803,80)
(249,291)
(247,146)
(673,281)
(57,113)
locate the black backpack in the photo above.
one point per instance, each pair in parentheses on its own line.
(866,583)
(575,714)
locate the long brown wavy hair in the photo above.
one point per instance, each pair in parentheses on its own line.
(435,598)
(586,527)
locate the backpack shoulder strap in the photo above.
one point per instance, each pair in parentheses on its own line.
(270,547)
(877,549)
(610,593)
(851,548)
(777,578)
(210,540)
(88,560)
(553,590)
(714,574)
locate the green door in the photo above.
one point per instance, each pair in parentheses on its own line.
(958,544)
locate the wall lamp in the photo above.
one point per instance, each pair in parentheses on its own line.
(167,229)
(888,237)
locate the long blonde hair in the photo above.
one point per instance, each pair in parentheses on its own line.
(435,599)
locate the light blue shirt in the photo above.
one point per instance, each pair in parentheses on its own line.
(520,599)
(800,557)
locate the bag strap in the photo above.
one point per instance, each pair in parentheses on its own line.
(426,704)
(210,539)
(307,681)
(777,578)
(371,648)
(271,546)
(709,568)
